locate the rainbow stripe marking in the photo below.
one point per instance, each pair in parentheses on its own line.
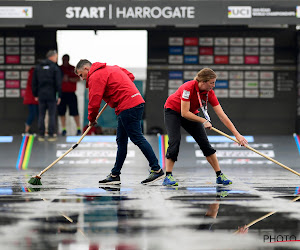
(25,152)
(297,140)
(163,146)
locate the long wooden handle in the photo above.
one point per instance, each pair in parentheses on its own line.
(265,216)
(74,146)
(256,151)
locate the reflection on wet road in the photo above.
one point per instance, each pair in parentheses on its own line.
(70,211)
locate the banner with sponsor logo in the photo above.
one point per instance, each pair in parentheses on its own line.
(149,13)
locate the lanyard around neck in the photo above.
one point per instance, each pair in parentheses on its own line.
(204,109)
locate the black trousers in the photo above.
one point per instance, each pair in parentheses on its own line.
(43,106)
(173,122)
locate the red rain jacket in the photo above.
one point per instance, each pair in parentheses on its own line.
(28,96)
(69,85)
(114,85)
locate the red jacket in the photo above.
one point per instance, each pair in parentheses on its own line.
(188,92)
(70,84)
(28,96)
(114,85)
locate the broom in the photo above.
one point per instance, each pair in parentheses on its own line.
(256,151)
(263,217)
(36,180)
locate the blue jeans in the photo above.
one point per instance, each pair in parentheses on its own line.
(129,125)
(33,112)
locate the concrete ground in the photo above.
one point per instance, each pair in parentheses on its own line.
(71,211)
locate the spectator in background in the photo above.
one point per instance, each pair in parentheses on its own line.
(46,85)
(68,96)
(31,102)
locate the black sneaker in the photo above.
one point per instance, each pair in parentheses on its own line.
(153,176)
(78,132)
(111,180)
(64,132)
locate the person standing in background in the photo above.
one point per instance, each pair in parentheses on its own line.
(46,85)
(68,97)
(31,102)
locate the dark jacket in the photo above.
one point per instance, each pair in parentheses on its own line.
(46,82)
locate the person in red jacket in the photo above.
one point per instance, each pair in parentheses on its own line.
(31,102)
(181,110)
(68,96)
(115,86)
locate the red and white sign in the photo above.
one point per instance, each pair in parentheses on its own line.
(221,60)
(190,41)
(12,59)
(251,59)
(206,51)
(12,84)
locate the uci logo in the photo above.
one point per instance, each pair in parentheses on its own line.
(239,12)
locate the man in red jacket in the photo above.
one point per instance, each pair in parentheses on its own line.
(68,96)
(115,86)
